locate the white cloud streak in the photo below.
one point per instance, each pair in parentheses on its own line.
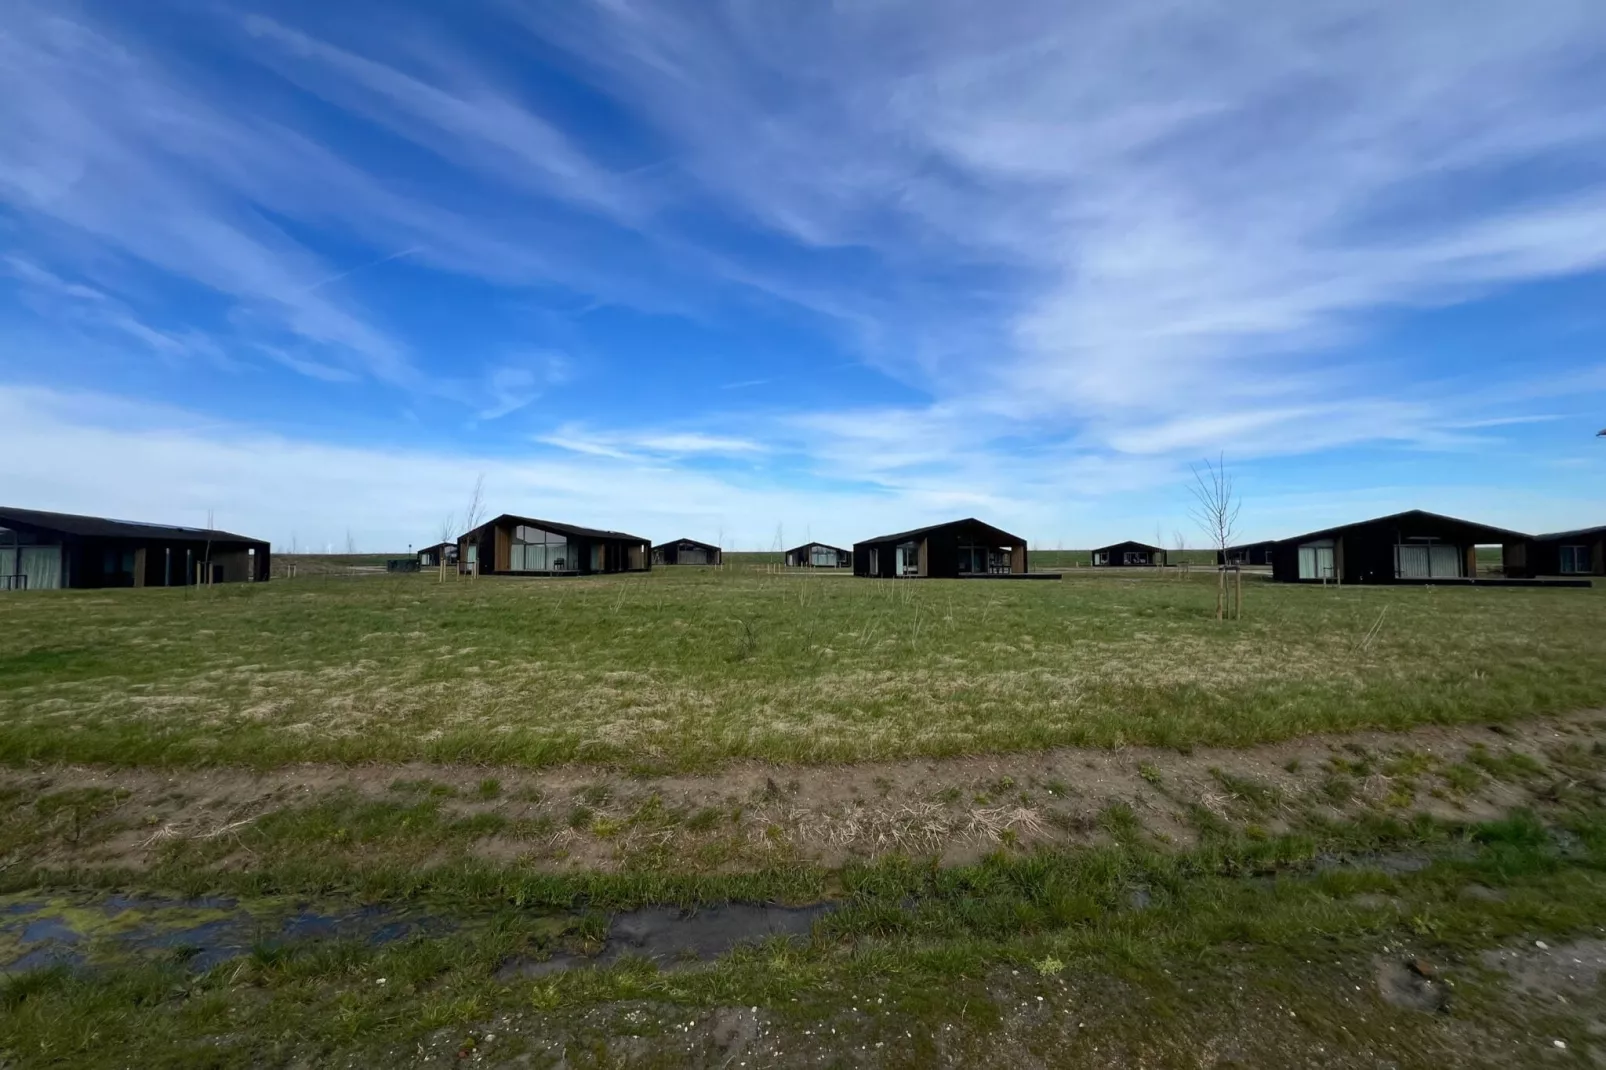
(1181,201)
(642,445)
(1097,239)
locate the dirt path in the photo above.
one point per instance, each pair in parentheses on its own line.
(754,813)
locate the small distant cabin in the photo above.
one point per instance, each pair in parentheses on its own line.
(687,552)
(525,546)
(1410,547)
(1251,553)
(1129,554)
(1568,553)
(442,553)
(49,551)
(958,549)
(818,555)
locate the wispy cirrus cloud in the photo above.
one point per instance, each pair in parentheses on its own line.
(458,115)
(1153,206)
(1088,241)
(650,444)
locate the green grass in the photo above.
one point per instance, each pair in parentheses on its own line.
(1236,923)
(684,668)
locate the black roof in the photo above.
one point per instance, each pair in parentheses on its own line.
(824,545)
(1411,513)
(99,527)
(929,528)
(1131,543)
(686,542)
(561,529)
(1576,534)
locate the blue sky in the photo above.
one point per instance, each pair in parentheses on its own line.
(760,271)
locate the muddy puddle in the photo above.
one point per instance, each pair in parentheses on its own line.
(40,932)
(37,933)
(671,937)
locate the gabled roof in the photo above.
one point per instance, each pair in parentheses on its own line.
(928,529)
(1252,545)
(1412,514)
(822,545)
(1577,534)
(557,528)
(685,542)
(99,527)
(1132,544)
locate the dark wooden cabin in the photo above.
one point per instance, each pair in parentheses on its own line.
(442,553)
(1133,554)
(1568,553)
(525,546)
(1410,547)
(1250,553)
(45,551)
(957,549)
(818,555)
(687,552)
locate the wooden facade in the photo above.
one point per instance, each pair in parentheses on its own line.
(1249,553)
(1129,554)
(40,550)
(1411,547)
(687,552)
(818,555)
(1568,553)
(525,546)
(958,549)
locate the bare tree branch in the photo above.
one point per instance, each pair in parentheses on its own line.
(1215,510)
(1215,504)
(474,514)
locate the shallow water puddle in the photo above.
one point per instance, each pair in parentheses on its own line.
(670,937)
(37,933)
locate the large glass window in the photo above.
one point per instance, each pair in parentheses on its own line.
(983,559)
(822,557)
(1425,560)
(535,550)
(31,568)
(1316,561)
(1574,559)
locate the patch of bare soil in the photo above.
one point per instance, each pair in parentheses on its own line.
(753,813)
(1553,973)
(1318,1015)
(1412,984)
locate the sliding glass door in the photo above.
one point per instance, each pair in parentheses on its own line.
(1316,561)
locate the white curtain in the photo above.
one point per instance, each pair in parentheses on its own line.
(1316,562)
(40,565)
(1413,562)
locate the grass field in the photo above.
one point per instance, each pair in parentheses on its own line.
(680,669)
(384,820)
